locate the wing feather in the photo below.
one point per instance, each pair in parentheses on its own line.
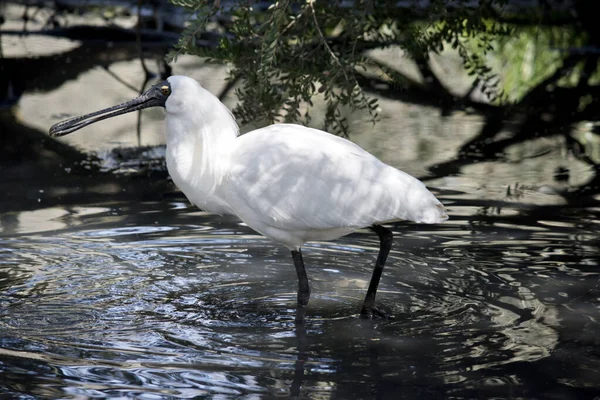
(295,178)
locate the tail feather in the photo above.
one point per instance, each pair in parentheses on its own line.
(432,213)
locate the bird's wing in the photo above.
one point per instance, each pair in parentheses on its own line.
(292,177)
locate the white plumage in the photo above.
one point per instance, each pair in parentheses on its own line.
(291,183)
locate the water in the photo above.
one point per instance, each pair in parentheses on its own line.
(158,300)
(113,286)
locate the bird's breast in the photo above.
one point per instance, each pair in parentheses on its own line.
(197,183)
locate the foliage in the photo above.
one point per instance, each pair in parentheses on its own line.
(288,52)
(532,54)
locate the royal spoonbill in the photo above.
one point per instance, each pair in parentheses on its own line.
(290,183)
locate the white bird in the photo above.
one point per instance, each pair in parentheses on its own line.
(290,183)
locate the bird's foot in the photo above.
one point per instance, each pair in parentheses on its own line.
(302,304)
(374,312)
(300,314)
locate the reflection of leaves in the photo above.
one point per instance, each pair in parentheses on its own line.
(518,191)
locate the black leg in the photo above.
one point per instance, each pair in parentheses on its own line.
(303,288)
(385,244)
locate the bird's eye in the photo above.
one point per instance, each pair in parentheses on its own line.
(165,90)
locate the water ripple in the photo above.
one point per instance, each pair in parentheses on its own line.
(192,306)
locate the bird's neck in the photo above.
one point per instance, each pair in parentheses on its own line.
(199,144)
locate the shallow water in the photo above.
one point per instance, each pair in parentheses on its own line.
(159,300)
(111,288)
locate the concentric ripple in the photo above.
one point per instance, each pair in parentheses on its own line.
(180,304)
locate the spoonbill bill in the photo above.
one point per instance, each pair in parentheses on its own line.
(290,183)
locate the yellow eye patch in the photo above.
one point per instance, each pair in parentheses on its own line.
(165,90)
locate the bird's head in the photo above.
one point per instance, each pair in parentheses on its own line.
(156,96)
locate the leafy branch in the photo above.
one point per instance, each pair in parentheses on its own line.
(288,53)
